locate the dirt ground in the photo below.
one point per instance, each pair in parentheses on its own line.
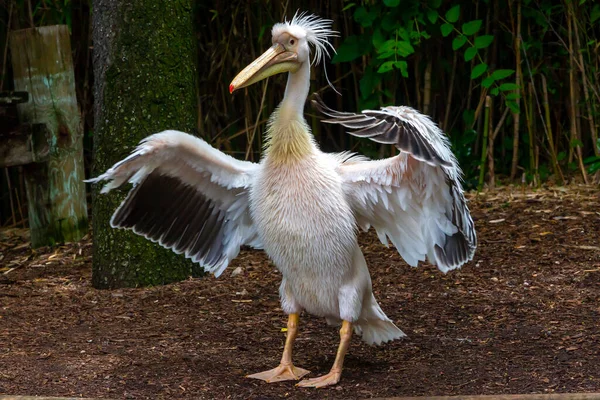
(522,317)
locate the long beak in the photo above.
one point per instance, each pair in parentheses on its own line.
(273,61)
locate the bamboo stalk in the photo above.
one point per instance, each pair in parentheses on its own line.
(262,102)
(486,126)
(553,155)
(480,105)
(20,209)
(449,95)
(6,46)
(573,95)
(12,204)
(427,87)
(30,14)
(418,81)
(516,120)
(492,138)
(586,94)
(527,103)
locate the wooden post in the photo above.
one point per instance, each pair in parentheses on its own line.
(43,67)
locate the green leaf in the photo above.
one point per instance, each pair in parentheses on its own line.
(591,159)
(378,38)
(403,67)
(404,34)
(369,103)
(513,96)
(386,67)
(509,86)
(349,6)
(432,16)
(453,13)
(387,54)
(435,3)
(446,29)
(405,48)
(576,143)
(594,167)
(481,42)
(392,47)
(458,42)
(478,70)
(391,3)
(502,73)
(561,156)
(472,27)
(388,45)
(514,106)
(364,17)
(468,117)
(487,82)
(470,53)
(390,22)
(352,48)
(595,14)
(495,91)
(368,82)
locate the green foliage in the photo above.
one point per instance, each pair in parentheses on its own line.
(472,27)
(478,70)
(458,42)
(470,53)
(386,52)
(453,14)
(481,42)
(592,164)
(595,14)
(352,48)
(56,12)
(398,38)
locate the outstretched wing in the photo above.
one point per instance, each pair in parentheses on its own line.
(415,198)
(187,196)
(404,127)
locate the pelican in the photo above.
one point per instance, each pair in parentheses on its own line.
(303,206)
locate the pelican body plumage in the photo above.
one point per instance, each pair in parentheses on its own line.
(302,206)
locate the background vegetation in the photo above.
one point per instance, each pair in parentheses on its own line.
(535,61)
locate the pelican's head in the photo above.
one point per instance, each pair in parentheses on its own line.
(290,49)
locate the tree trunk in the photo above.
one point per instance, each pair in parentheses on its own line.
(145,82)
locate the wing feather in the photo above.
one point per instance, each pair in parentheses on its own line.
(401,126)
(414,199)
(187,196)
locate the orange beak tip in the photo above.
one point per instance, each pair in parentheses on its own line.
(231,89)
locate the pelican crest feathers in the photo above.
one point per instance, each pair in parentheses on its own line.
(314,29)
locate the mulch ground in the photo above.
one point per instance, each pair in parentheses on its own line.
(522,317)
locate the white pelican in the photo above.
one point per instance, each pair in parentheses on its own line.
(301,205)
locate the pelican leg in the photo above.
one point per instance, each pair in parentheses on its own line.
(334,375)
(286,370)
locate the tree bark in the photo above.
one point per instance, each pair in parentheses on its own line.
(145,82)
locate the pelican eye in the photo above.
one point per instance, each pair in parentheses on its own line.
(292,42)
